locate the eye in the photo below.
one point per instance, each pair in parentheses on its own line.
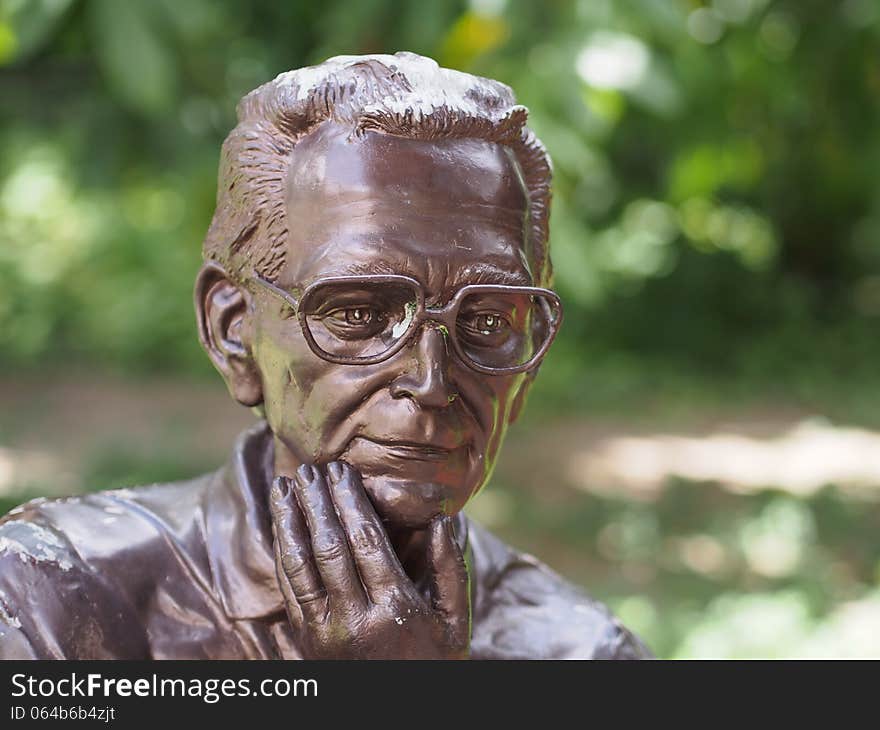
(488,323)
(356,316)
(356,322)
(485,323)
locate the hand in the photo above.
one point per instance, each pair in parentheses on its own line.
(346,593)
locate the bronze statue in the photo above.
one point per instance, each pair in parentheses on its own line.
(375,285)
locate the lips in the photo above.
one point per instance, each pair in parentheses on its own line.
(406,459)
(412,450)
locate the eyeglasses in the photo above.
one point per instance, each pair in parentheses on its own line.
(362,320)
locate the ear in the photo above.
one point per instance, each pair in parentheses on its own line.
(519,400)
(221,315)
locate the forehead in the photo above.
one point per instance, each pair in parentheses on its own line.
(437,210)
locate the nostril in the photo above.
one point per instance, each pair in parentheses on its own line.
(402,387)
(425,379)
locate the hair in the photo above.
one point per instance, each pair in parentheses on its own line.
(405,95)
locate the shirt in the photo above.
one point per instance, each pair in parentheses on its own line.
(186,570)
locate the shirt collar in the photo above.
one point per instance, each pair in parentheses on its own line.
(239,531)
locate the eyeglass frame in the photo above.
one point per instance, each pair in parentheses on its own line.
(441,315)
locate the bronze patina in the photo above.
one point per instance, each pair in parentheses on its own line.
(376,286)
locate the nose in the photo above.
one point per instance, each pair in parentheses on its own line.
(426,380)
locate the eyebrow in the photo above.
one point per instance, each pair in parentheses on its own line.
(489,274)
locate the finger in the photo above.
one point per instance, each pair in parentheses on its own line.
(329,545)
(298,574)
(294,610)
(450,586)
(378,565)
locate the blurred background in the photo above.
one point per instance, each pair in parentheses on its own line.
(702,449)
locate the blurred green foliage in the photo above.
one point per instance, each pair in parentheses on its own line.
(716,207)
(714,232)
(705,573)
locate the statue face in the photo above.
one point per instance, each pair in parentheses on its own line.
(422,427)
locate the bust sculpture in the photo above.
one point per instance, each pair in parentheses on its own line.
(375,286)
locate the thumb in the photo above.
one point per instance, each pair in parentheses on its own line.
(450,584)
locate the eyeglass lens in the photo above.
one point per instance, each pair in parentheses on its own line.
(360,320)
(495,329)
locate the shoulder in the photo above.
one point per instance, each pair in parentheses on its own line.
(523,609)
(74,571)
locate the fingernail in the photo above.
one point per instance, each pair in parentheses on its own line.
(280,487)
(304,474)
(334,469)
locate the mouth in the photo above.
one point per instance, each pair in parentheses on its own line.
(413,471)
(411,450)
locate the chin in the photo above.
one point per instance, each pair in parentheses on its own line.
(412,504)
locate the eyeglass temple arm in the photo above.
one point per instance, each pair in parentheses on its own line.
(278,291)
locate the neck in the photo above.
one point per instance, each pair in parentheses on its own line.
(411,547)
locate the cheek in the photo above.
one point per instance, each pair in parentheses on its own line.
(323,401)
(490,397)
(502,395)
(288,371)
(314,406)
